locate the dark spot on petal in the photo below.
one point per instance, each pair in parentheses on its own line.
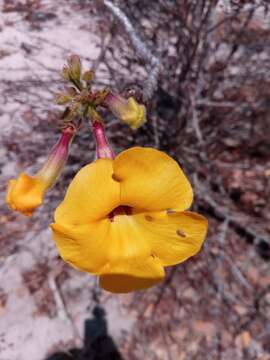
(180,233)
(148,218)
(170,211)
(115,178)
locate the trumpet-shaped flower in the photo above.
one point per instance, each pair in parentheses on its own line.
(26,193)
(127,110)
(125,219)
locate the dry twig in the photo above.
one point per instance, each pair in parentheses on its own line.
(141,50)
(62,311)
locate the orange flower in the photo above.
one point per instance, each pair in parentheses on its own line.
(26,193)
(125,219)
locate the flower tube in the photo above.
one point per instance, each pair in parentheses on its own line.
(26,193)
(103,147)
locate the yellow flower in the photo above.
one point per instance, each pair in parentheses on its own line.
(134,115)
(26,193)
(127,110)
(125,219)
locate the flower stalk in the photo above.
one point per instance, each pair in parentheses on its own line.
(103,148)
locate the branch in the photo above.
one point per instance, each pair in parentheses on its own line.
(195,119)
(141,50)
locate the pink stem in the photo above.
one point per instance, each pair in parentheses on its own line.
(103,148)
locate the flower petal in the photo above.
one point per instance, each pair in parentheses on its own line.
(131,265)
(151,180)
(173,237)
(25,193)
(126,277)
(108,247)
(83,246)
(103,243)
(92,195)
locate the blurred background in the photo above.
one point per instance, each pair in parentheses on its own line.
(210,110)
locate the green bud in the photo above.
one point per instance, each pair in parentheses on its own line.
(88,76)
(65,73)
(62,98)
(74,64)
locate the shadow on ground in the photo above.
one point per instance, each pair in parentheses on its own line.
(98,344)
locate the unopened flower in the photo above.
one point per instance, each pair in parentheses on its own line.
(125,219)
(127,110)
(72,71)
(26,193)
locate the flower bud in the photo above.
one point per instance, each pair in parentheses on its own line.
(62,99)
(72,71)
(74,63)
(127,110)
(26,193)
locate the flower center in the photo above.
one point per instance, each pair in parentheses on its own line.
(120,210)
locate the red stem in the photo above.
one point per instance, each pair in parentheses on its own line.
(103,148)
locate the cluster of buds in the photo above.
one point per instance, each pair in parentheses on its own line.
(81,99)
(27,192)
